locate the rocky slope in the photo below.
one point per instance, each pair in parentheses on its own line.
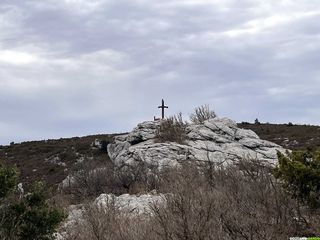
(218,140)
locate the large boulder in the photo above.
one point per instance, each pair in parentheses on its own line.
(218,140)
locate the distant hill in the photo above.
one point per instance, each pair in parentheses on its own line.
(290,136)
(52,160)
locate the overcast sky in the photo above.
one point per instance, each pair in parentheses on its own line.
(80,67)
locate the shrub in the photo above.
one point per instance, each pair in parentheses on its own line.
(109,223)
(28,218)
(88,180)
(190,209)
(300,173)
(242,201)
(8,180)
(172,129)
(202,114)
(104,146)
(135,179)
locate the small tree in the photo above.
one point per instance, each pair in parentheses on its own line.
(300,174)
(28,218)
(202,114)
(8,180)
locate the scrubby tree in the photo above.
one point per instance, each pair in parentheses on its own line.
(300,174)
(8,180)
(27,218)
(202,114)
(172,129)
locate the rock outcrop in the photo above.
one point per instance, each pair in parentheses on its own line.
(218,140)
(128,205)
(131,204)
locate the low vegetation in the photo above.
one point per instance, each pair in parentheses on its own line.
(290,136)
(172,129)
(28,216)
(300,174)
(88,183)
(202,114)
(49,161)
(243,201)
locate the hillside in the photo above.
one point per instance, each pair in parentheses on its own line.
(126,182)
(294,137)
(52,160)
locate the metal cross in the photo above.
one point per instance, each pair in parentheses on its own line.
(162,108)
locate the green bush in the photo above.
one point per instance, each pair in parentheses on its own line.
(300,174)
(27,218)
(8,180)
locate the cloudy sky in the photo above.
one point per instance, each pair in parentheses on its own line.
(79,67)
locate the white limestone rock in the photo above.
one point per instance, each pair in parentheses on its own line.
(217,140)
(55,159)
(69,181)
(97,144)
(75,218)
(130,204)
(144,131)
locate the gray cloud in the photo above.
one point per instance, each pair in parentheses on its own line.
(77,67)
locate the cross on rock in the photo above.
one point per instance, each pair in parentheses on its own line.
(162,108)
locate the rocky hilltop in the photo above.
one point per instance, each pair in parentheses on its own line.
(218,140)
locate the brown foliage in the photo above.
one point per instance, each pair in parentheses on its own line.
(30,157)
(88,182)
(202,114)
(241,201)
(110,223)
(172,129)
